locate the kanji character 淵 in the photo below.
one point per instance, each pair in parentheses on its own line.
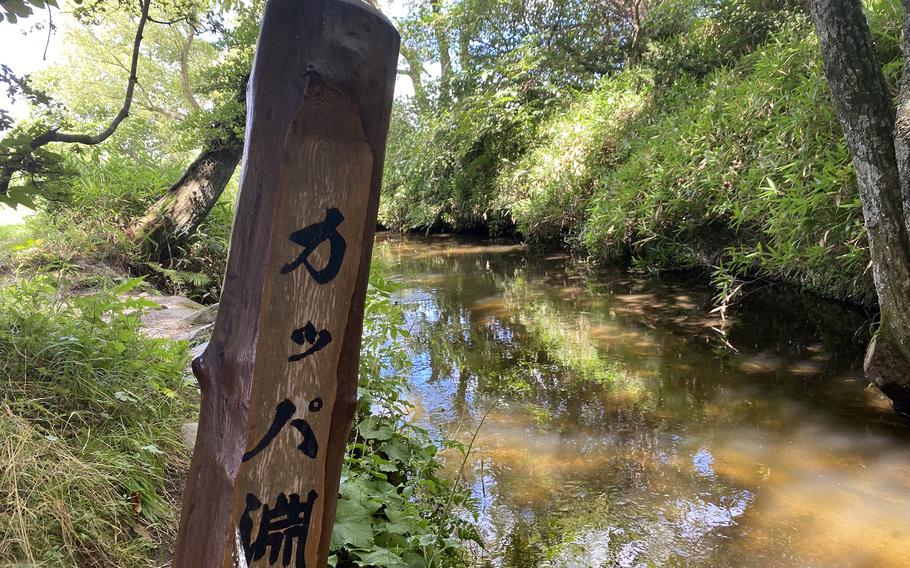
(283,529)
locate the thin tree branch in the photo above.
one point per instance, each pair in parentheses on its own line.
(50,29)
(165,112)
(91,139)
(169,22)
(8,170)
(185,72)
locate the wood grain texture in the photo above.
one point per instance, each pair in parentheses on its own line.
(318,110)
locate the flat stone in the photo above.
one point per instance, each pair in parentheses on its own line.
(188,434)
(197,332)
(178,318)
(175,302)
(205,316)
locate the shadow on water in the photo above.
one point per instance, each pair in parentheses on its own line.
(637,428)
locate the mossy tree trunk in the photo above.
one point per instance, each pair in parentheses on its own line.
(877,137)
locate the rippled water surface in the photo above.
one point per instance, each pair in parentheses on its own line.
(632,427)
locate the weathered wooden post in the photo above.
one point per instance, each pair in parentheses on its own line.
(279,376)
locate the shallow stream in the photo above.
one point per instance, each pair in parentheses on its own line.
(632,427)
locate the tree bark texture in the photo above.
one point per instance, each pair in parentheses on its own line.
(442,42)
(902,123)
(880,155)
(279,375)
(188,202)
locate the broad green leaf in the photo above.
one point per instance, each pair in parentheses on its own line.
(381,557)
(353,528)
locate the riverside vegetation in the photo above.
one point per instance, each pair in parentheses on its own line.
(729,136)
(92,407)
(92,457)
(718,149)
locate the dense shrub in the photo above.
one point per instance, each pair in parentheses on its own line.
(546,192)
(443,162)
(746,170)
(82,227)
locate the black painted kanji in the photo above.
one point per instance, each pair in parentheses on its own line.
(283,529)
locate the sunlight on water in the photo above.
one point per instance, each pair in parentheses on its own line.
(630,426)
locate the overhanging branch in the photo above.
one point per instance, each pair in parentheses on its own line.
(91,139)
(8,170)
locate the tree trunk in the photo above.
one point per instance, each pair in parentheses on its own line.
(902,124)
(187,203)
(415,72)
(442,42)
(868,118)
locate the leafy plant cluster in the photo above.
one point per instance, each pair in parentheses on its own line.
(442,166)
(396,509)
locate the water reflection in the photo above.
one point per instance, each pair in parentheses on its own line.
(636,428)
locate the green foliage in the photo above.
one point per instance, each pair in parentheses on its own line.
(224,82)
(547,190)
(717,146)
(89,83)
(13,10)
(84,227)
(395,508)
(692,38)
(37,167)
(746,170)
(91,411)
(442,166)
(188,90)
(83,224)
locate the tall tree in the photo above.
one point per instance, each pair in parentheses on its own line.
(878,136)
(28,155)
(442,45)
(30,151)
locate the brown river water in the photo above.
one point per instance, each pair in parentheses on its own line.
(628,426)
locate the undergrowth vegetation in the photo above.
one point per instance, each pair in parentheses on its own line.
(81,229)
(395,509)
(743,172)
(90,416)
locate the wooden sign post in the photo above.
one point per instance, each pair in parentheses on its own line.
(279,376)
